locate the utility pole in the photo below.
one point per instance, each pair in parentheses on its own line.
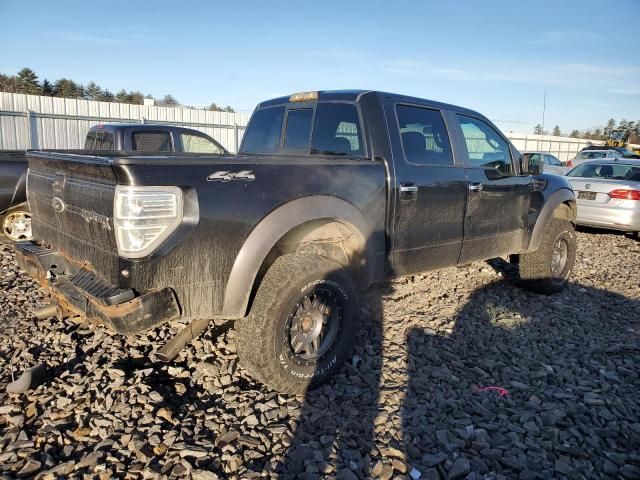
(544,108)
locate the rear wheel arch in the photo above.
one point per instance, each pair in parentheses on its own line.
(322,225)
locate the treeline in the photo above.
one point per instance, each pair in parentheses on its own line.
(26,81)
(597,133)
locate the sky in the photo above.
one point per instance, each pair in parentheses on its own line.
(497,57)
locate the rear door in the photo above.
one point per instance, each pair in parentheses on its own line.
(496,217)
(430,191)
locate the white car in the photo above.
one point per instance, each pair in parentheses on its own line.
(608,194)
(585,155)
(551,162)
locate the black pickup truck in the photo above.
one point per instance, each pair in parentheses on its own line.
(15,217)
(332,192)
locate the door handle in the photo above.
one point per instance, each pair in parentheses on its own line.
(475,187)
(408,190)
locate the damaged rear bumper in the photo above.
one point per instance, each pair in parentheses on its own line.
(85,293)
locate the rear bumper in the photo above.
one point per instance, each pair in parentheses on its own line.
(621,217)
(86,294)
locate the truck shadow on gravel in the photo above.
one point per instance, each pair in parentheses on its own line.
(569,366)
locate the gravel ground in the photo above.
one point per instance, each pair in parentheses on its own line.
(410,404)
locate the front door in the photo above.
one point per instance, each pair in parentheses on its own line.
(498,204)
(430,190)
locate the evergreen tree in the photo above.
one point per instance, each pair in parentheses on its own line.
(556,131)
(537,130)
(575,134)
(611,124)
(122,96)
(47,88)
(169,101)
(27,82)
(68,89)
(107,96)
(93,91)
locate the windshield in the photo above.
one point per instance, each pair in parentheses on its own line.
(611,171)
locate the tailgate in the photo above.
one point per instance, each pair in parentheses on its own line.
(71,199)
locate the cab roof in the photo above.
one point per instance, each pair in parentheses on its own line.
(354,95)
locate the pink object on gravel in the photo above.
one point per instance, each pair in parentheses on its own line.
(503,392)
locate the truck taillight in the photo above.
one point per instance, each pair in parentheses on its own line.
(144,217)
(569,164)
(625,194)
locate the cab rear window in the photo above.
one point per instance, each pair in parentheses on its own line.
(99,141)
(328,129)
(263,133)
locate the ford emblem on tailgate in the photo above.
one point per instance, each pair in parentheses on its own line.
(57,204)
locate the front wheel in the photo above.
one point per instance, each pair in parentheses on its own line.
(302,323)
(16,223)
(547,270)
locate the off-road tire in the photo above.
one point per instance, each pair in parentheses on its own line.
(263,338)
(535,267)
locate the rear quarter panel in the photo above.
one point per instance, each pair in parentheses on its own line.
(198,261)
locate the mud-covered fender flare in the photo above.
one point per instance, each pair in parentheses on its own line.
(278,223)
(564,195)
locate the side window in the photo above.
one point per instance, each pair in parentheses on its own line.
(149,141)
(88,143)
(298,130)
(336,130)
(487,149)
(424,136)
(263,132)
(554,161)
(197,144)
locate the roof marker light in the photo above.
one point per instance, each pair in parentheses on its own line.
(303,97)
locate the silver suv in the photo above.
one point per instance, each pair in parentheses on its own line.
(585,155)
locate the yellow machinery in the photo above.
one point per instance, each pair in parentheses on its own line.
(625,139)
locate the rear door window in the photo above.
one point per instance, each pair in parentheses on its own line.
(198,144)
(424,136)
(298,129)
(264,130)
(150,141)
(336,130)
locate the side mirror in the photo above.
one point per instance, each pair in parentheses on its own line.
(531,164)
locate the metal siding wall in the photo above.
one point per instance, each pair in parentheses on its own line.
(565,148)
(77,116)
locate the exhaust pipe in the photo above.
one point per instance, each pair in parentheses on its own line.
(47,311)
(182,339)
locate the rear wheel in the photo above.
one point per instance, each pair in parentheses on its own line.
(16,223)
(302,323)
(547,270)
